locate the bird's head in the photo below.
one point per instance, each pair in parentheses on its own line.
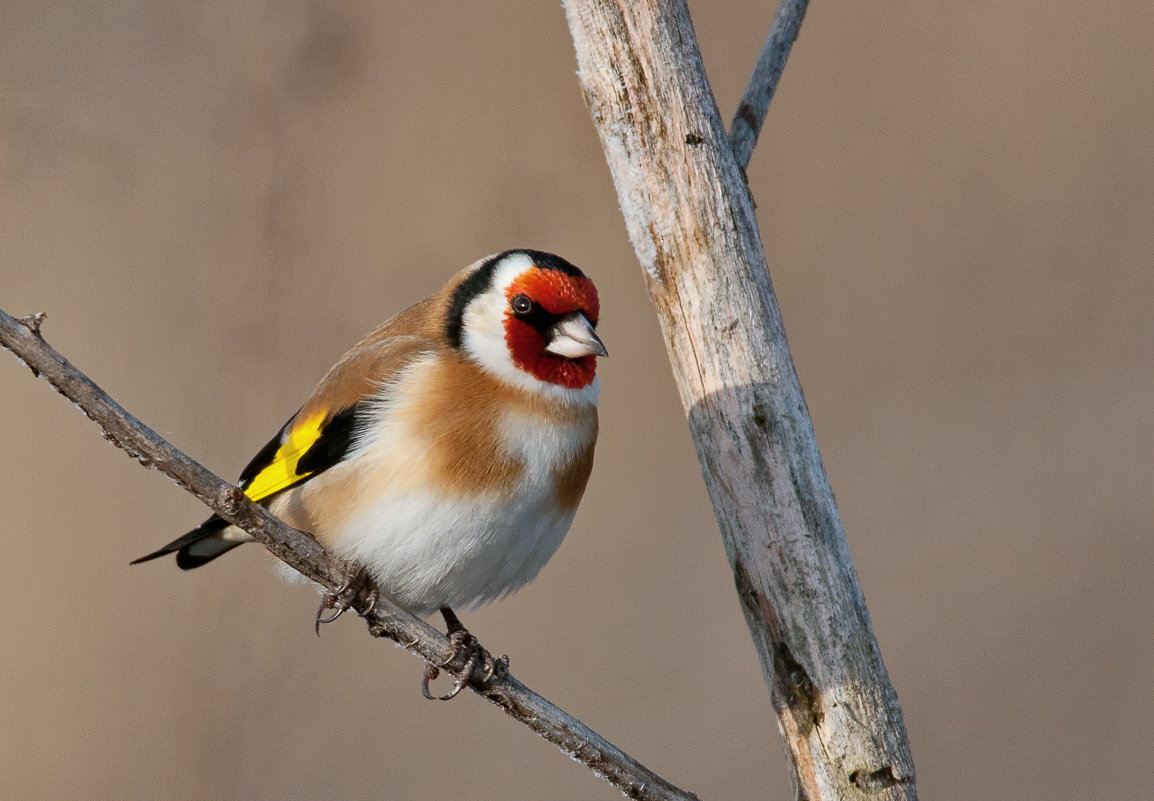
(529,317)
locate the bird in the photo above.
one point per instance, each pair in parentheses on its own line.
(447,451)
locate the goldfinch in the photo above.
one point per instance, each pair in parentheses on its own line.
(447,450)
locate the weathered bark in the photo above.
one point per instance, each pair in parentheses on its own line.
(691,221)
(306,555)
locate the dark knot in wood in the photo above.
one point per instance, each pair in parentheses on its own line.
(875,781)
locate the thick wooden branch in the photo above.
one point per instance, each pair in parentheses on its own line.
(690,218)
(306,555)
(754,105)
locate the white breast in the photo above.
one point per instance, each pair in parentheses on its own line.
(430,549)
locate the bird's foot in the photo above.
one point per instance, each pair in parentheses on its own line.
(357,582)
(480,666)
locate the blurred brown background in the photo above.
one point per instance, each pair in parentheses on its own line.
(211,200)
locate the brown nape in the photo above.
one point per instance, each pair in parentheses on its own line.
(362,371)
(381,353)
(424,318)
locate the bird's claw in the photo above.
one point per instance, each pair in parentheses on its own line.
(465,646)
(431,673)
(345,596)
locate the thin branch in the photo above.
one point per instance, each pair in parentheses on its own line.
(306,555)
(691,221)
(750,116)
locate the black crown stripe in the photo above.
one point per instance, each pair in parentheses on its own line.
(480,281)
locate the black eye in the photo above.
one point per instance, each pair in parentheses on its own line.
(522,305)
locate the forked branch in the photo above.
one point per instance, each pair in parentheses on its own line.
(691,220)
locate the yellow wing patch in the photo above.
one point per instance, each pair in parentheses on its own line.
(281,472)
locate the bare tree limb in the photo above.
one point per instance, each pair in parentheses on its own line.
(690,218)
(302,552)
(754,105)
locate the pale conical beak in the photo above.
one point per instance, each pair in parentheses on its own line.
(574,337)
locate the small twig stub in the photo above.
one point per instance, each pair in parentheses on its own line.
(34,321)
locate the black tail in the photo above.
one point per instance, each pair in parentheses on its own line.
(198,547)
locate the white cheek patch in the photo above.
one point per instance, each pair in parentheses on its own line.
(483,323)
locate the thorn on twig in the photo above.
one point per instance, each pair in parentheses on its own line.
(34,321)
